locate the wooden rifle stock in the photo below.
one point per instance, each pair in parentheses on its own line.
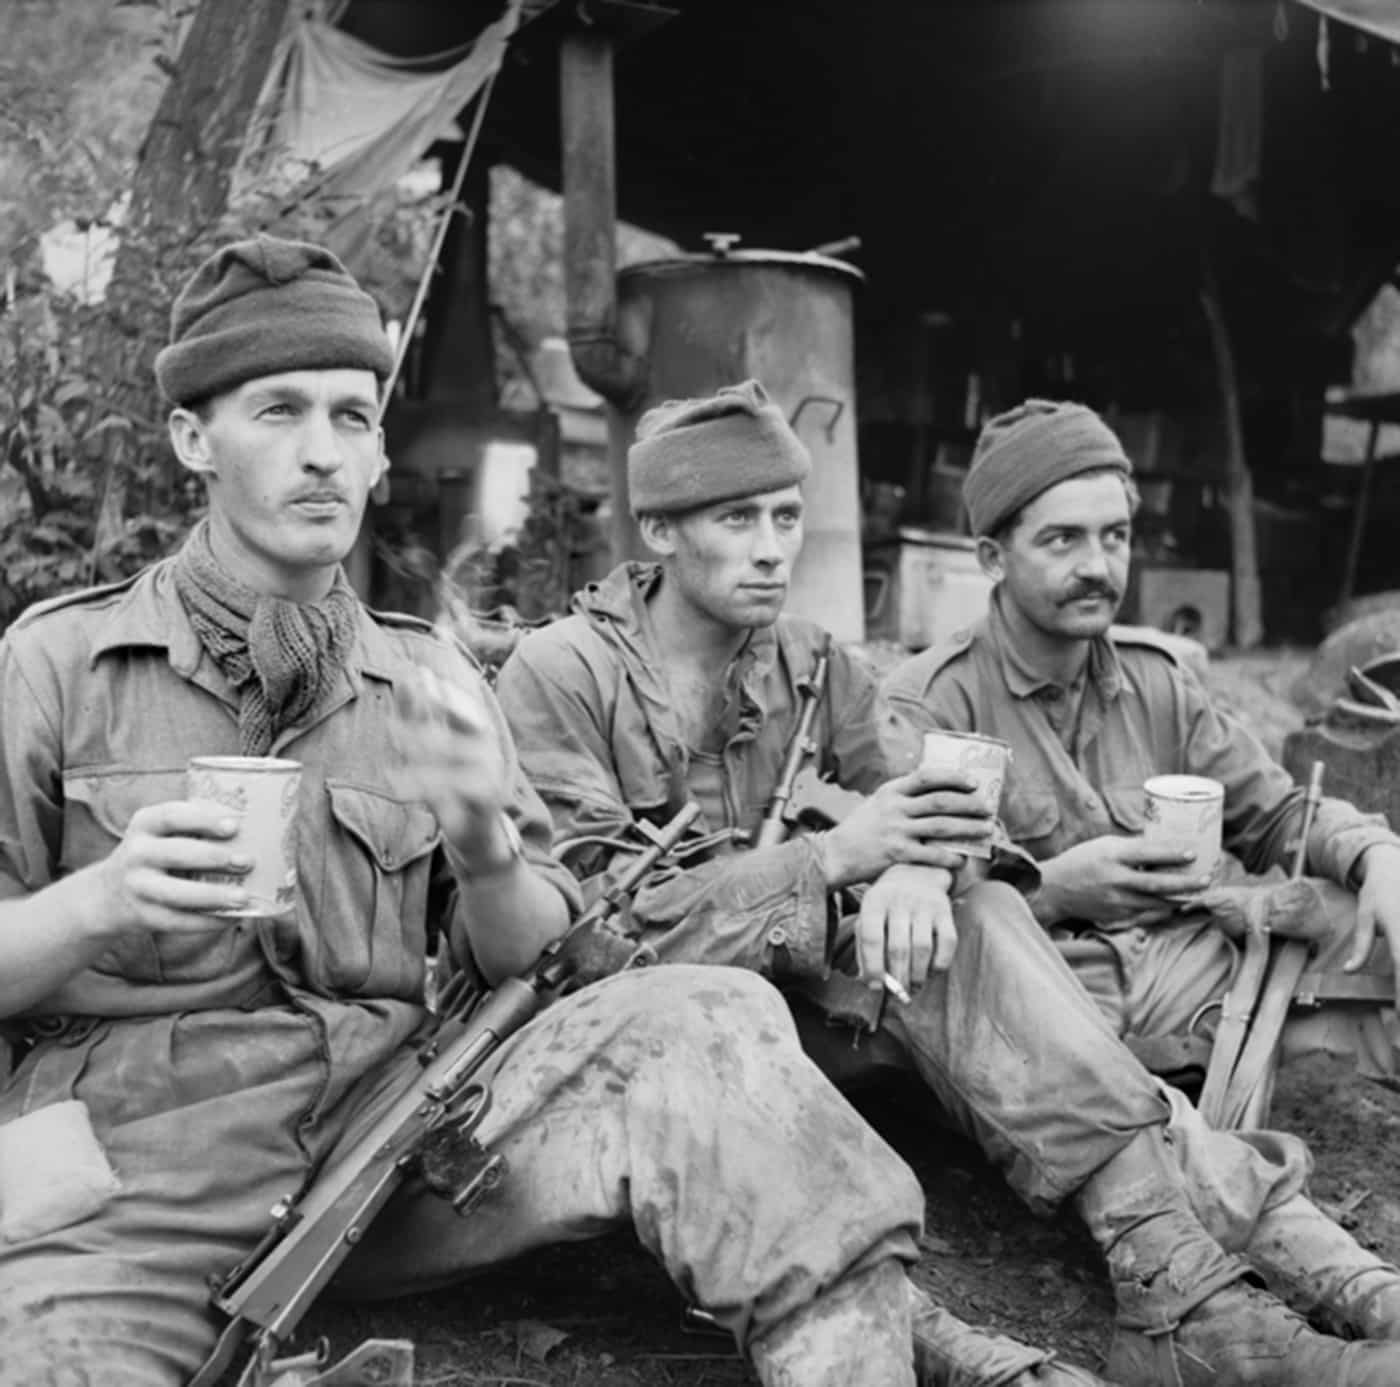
(776,826)
(1244,1057)
(267,1295)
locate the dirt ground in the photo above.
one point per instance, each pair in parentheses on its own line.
(602,1315)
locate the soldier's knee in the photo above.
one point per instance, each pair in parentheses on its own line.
(689,1000)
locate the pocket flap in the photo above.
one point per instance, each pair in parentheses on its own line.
(392,831)
(113,796)
(1029,811)
(1126,805)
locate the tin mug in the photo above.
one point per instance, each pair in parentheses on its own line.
(262,791)
(982,759)
(1186,812)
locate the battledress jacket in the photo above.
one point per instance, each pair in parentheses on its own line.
(106,694)
(1142,714)
(593,723)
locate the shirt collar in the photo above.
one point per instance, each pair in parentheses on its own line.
(151,615)
(1024,680)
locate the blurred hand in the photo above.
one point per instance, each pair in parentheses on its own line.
(1112,879)
(906,926)
(1377,905)
(449,756)
(911,819)
(143,884)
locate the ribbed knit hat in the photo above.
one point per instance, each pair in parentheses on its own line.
(255,308)
(692,453)
(1028,450)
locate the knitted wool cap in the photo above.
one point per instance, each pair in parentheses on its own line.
(258,307)
(1028,450)
(692,453)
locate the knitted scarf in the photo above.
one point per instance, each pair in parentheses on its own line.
(280,656)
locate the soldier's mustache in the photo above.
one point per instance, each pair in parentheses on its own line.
(1090,588)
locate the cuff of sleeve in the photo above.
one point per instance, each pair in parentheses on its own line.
(800,931)
(1345,849)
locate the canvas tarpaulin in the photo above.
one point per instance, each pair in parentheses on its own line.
(343,119)
(1379,17)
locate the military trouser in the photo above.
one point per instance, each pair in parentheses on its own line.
(675,1100)
(1018,1057)
(1169,980)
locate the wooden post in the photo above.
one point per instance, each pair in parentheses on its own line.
(1247,623)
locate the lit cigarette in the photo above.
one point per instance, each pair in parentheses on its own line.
(896,989)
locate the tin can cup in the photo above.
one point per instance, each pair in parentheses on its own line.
(1186,812)
(983,759)
(262,791)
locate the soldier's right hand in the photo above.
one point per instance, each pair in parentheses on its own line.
(144,883)
(1113,879)
(912,819)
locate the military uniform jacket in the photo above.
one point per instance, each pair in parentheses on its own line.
(1141,713)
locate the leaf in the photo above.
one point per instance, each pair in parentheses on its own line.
(537,1340)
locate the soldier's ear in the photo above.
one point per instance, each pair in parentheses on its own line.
(190,440)
(658,533)
(990,557)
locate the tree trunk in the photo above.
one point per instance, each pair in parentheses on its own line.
(178,194)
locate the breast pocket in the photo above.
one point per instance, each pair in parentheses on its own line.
(98,806)
(1126,804)
(1030,814)
(374,890)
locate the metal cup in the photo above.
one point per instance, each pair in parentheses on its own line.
(983,759)
(1186,812)
(262,792)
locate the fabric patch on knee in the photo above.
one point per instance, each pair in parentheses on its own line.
(53,1171)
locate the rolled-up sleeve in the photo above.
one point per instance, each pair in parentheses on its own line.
(31,794)
(1263,806)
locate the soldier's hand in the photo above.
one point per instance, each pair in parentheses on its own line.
(916,819)
(1112,879)
(449,756)
(144,883)
(905,927)
(1377,905)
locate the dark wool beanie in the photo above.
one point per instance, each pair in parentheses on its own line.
(692,453)
(1028,450)
(259,307)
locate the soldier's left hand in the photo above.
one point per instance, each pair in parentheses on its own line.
(1377,905)
(449,756)
(905,927)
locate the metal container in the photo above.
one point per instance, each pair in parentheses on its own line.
(698,322)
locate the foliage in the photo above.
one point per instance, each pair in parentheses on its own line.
(89,489)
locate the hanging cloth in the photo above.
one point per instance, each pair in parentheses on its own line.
(346,121)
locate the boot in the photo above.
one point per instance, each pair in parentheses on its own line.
(1185,1318)
(949,1353)
(1315,1265)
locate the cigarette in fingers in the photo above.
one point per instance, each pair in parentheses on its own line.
(896,989)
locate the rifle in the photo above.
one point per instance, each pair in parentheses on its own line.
(430,1127)
(1244,1056)
(776,825)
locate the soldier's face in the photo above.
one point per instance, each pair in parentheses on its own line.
(733,562)
(1064,566)
(289,461)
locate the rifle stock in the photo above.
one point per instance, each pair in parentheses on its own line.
(268,1294)
(1244,1056)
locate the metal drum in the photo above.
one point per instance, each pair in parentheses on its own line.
(697,322)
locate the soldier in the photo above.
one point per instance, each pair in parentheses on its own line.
(184,1070)
(682,679)
(1091,714)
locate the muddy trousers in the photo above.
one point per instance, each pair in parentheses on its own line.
(1169,980)
(1019,1058)
(675,1101)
